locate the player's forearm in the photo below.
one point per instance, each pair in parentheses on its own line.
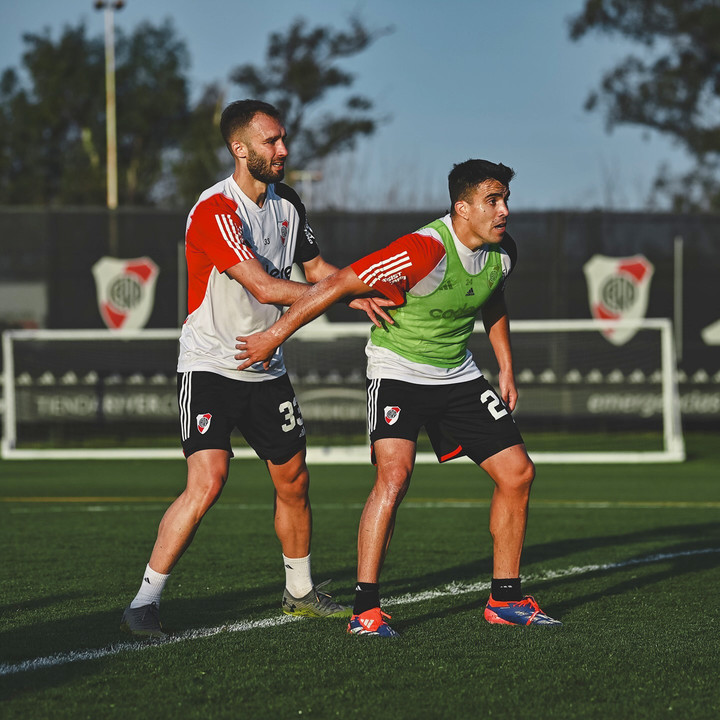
(259,347)
(264,287)
(312,303)
(279,292)
(499,335)
(287,292)
(497,326)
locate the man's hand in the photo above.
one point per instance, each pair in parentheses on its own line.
(374,309)
(508,389)
(259,347)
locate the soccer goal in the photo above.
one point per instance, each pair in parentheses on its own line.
(111,394)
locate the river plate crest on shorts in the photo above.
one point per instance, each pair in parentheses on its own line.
(618,289)
(125,291)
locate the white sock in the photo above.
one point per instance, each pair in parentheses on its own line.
(298,580)
(150,589)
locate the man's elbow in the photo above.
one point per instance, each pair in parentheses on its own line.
(316,274)
(263,293)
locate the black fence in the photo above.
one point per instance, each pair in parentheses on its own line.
(53,251)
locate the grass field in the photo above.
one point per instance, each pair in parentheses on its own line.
(627,556)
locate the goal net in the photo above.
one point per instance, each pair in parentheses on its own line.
(111,394)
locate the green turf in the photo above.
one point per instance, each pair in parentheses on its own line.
(641,637)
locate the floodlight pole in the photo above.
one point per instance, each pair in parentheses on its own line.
(678,295)
(110,114)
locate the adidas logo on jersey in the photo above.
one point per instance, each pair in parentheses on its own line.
(469,292)
(447,285)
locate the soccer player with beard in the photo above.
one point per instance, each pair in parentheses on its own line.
(242,237)
(420,373)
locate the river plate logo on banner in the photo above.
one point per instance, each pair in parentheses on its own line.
(618,289)
(125,291)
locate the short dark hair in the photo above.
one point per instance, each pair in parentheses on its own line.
(466,176)
(239,114)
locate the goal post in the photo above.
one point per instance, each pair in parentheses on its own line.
(84,394)
(79,389)
(665,400)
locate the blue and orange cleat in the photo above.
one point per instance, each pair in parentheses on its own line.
(517,612)
(371,622)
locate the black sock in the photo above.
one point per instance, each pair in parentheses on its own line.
(367,597)
(506,589)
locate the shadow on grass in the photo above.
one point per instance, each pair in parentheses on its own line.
(671,539)
(101,629)
(97,630)
(36,604)
(670,549)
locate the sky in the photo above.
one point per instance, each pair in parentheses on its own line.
(458,79)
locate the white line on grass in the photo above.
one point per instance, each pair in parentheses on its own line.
(457,588)
(448,503)
(116,649)
(445,591)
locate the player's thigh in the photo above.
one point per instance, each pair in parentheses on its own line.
(205,401)
(272,423)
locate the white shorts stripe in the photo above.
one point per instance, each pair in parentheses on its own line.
(372,394)
(184,403)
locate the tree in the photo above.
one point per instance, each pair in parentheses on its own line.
(153,104)
(49,153)
(675,91)
(52,126)
(202,152)
(300,70)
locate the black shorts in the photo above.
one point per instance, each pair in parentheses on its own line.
(467,418)
(266,413)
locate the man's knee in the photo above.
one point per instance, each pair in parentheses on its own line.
(526,472)
(521,478)
(292,479)
(393,479)
(207,475)
(511,470)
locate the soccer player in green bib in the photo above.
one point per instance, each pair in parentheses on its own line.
(420,373)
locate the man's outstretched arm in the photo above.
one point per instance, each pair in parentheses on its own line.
(318,269)
(318,298)
(263,287)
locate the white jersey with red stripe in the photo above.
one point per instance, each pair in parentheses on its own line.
(417,263)
(224,228)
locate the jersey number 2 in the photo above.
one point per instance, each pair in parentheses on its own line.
(493,403)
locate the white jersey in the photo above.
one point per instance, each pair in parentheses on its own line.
(224,228)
